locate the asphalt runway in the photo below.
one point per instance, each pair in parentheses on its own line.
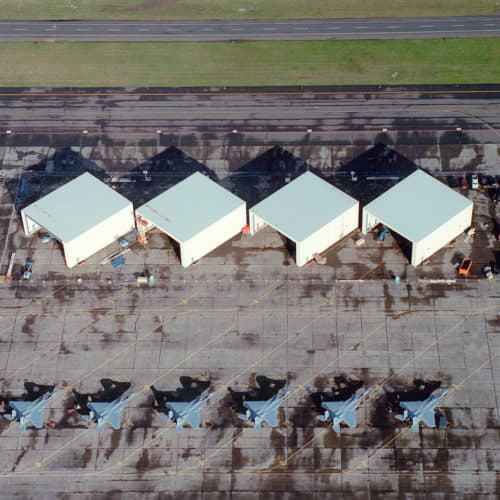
(118,31)
(258,114)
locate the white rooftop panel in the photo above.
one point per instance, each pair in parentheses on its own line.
(304,206)
(76,207)
(189,207)
(417,205)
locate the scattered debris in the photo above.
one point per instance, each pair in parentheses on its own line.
(45,238)
(465,266)
(319,259)
(28,269)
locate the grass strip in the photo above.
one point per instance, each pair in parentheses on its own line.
(240,9)
(336,62)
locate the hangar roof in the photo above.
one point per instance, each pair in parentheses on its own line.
(417,206)
(76,207)
(189,207)
(303,206)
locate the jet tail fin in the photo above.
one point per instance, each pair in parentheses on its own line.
(415,424)
(22,424)
(336,424)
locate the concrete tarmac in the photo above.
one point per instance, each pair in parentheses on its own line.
(324,29)
(257,113)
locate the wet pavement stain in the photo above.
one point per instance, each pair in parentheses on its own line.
(87,455)
(143,462)
(252,338)
(388,299)
(28,325)
(19,458)
(63,348)
(226,417)
(302,417)
(277,442)
(115,443)
(144,424)
(321,382)
(238,459)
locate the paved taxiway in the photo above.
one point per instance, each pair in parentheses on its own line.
(300,29)
(260,113)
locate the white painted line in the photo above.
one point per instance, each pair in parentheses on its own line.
(113,29)
(298,28)
(361,27)
(391,27)
(239,29)
(427,26)
(489,24)
(269,29)
(82,29)
(458,25)
(20,29)
(143,29)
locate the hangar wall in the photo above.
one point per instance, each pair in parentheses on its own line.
(256,223)
(213,236)
(423,249)
(29,225)
(98,237)
(368,221)
(327,235)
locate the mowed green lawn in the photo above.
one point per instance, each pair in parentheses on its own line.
(468,60)
(239,9)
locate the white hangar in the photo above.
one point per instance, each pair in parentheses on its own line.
(197,213)
(85,215)
(422,210)
(308,211)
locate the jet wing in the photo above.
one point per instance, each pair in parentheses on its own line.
(22,407)
(98,408)
(177,408)
(413,407)
(271,417)
(114,419)
(429,418)
(349,417)
(332,406)
(193,419)
(37,418)
(254,406)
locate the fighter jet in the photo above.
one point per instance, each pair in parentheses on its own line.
(110,412)
(188,412)
(184,404)
(104,405)
(29,409)
(342,411)
(264,411)
(420,411)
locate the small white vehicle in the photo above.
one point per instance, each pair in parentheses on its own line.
(474,181)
